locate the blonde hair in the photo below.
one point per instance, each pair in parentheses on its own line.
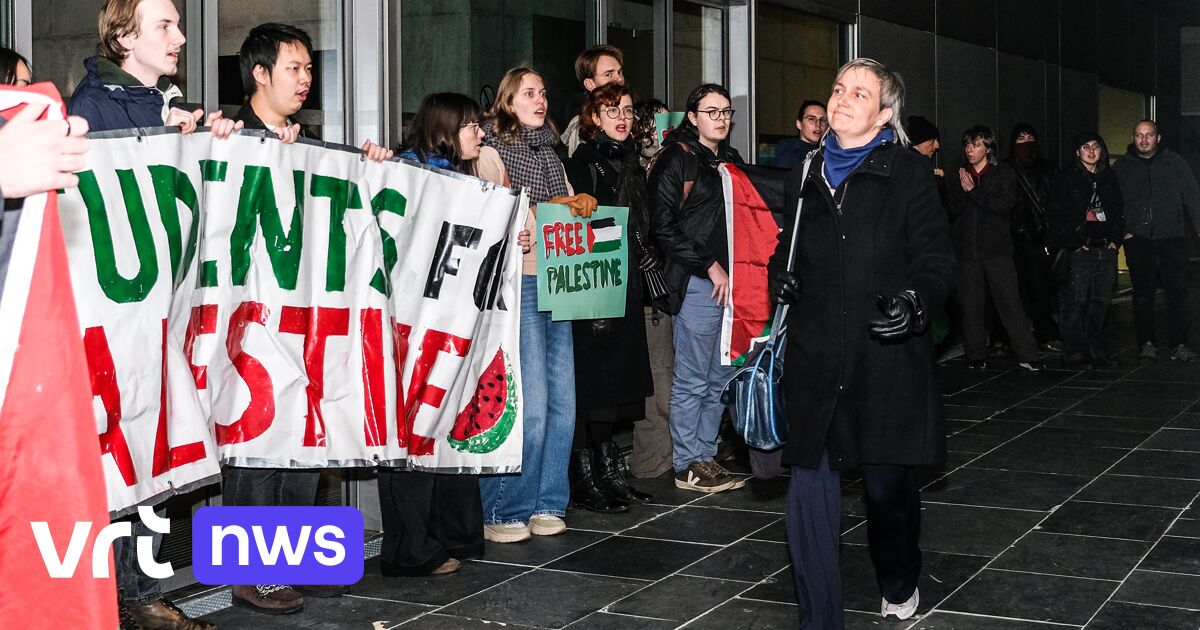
(118,18)
(504,118)
(891,92)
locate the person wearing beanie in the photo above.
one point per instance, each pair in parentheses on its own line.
(1086,218)
(926,140)
(1030,252)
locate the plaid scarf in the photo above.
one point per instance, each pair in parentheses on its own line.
(531,161)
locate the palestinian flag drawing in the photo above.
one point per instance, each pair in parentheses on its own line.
(50,460)
(603,236)
(753,203)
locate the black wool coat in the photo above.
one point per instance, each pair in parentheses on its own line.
(860,399)
(982,217)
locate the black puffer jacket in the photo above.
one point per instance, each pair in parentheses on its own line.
(686,230)
(1070,196)
(982,217)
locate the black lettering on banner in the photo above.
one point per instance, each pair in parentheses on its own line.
(444,261)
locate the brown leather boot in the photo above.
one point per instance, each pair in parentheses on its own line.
(159,615)
(272,599)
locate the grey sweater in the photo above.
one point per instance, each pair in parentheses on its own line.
(1156,191)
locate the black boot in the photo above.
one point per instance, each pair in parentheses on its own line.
(611,478)
(586,492)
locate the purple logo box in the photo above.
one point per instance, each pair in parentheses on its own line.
(277,545)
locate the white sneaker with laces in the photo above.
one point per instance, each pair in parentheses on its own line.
(901,611)
(546,525)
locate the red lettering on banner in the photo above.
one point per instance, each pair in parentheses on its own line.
(317,324)
(400,335)
(260,412)
(104,385)
(577,239)
(167,457)
(375,395)
(548,239)
(420,392)
(203,322)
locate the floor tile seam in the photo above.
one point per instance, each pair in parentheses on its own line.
(1053,624)
(1177,573)
(1057,575)
(733,509)
(484,590)
(986,507)
(609,612)
(1129,601)
(389,601)
(943,553)
(1161,507)
(687,542)
(1136,540)
(600,575)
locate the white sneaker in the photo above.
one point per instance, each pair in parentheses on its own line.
(506,533)
(546,525)
(901,611)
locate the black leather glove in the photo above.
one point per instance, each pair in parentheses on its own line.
(786,288)
(603,328)
(904,315)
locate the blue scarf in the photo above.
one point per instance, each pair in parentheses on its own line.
(839,162)
(432,160)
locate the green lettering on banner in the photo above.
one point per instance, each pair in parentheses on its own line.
(117,287)
(172,186)
(387,200)
(342,194)
(213,170)
(257,200)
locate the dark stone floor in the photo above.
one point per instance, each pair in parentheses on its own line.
(1068,500)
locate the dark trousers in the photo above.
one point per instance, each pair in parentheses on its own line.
(814,520)
(428,518)
(766,464)
(136,588)
(974,278)
(1153,264)
(1036,283)
(270,486)
(1085,301)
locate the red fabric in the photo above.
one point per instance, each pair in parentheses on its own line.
(49,459)
(754,239)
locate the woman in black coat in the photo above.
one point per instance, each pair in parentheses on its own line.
(873,250)
(1087,220)
(610,352)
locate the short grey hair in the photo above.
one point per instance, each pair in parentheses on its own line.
(891,92)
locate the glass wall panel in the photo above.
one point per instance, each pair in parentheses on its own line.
(65,33)
(466,46)
(631,28)
(324,111)
(698,49)
(796,59)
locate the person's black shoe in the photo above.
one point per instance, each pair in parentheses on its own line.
(1052,345)
(1075,361)
(612,480)
(769,489)
(977,365)
(586,492)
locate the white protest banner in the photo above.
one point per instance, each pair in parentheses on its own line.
(291,306)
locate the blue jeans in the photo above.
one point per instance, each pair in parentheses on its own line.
(548,387)
(1085,300)
(136,588)
(699,376)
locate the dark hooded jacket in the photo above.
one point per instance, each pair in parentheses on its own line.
(110,98)
(1070,198)
(861,400)
(1029,220)
(1156,191)
(690,233)
(790,152)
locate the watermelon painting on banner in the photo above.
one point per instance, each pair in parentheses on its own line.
(260,304)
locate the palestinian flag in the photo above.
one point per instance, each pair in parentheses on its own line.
(50,456)
(603,236)
(753,215)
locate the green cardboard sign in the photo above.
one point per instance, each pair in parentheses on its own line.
(583,264)
(665,122)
